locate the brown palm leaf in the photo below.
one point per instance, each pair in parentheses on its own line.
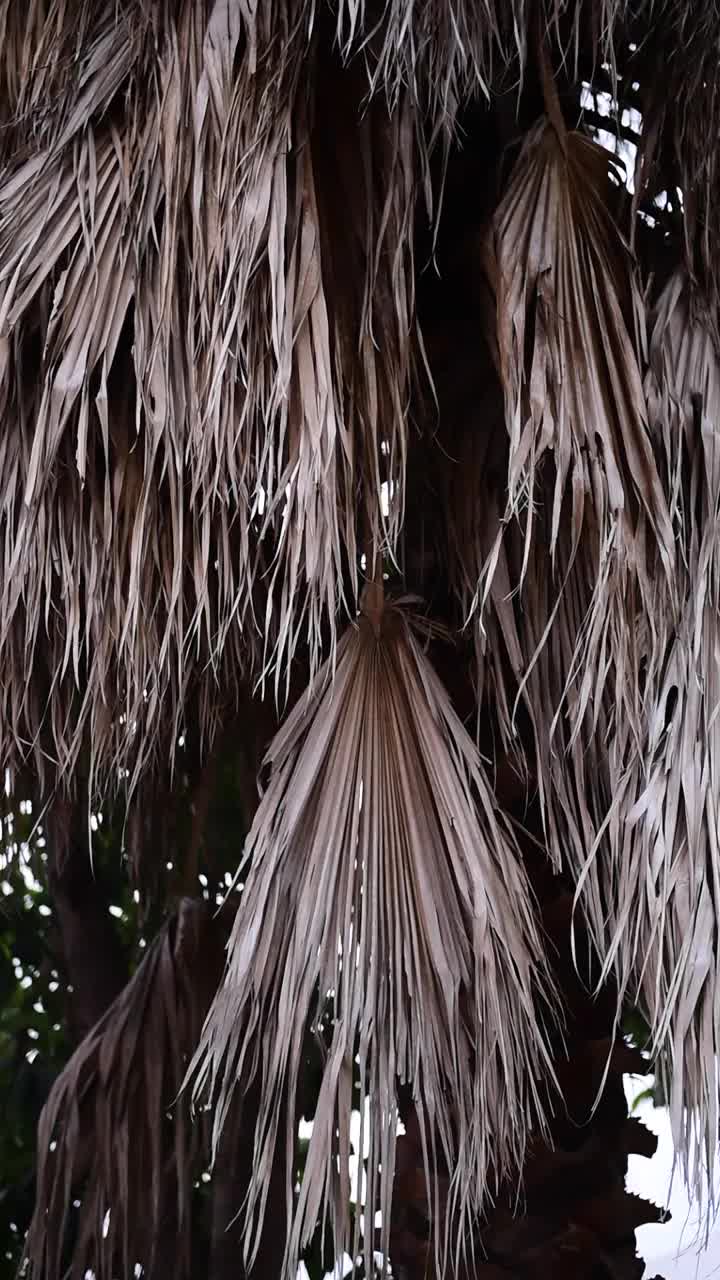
(182,304)
(111,1133)
(661,883)
(384,893)
(568,363)
(581,616)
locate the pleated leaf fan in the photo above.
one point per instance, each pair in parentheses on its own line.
(381,877)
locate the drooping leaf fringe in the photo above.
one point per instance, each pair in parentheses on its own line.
(660,882)
(608,638)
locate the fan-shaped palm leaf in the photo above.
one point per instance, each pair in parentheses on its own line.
(584,492)
(382,878)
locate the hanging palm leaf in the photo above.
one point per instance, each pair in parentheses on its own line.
(585,633)
(568,362)
(385,894)
(111,1134)
(660,884)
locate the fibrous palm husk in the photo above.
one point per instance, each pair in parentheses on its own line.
(112,1133)
(384,893)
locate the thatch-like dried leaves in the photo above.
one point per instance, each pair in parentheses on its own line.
(187,416)
(207,339)
(660,880)
(112,1134)
(384,891)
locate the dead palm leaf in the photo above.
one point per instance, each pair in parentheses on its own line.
(576,607)
(661,881)
(111,1134)
(565,296)
(197,379)
(385,894)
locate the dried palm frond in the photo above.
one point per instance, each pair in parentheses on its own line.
(450,51)
(208,338)
(61,63)
(384,895)
(661,883)
(105,560)
(568,361)
(446,51)
(585,500)
(201,358)
(112,1134)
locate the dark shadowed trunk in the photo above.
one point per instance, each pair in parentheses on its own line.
(231,1180)
(91,954)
